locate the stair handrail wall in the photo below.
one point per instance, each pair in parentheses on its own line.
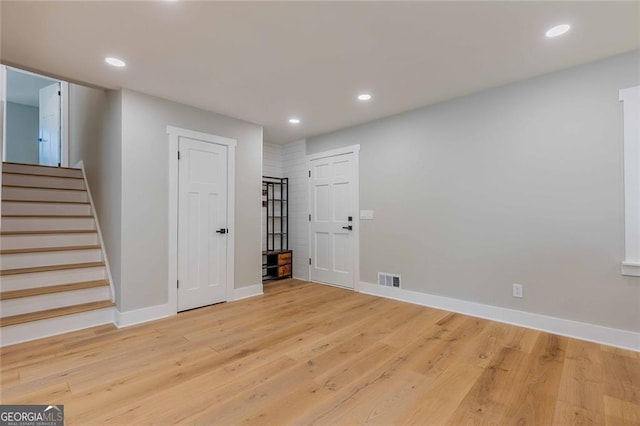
(80,165)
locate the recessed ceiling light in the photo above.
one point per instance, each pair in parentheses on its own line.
(294,121)
(364,97)
(115,62)
(558,30)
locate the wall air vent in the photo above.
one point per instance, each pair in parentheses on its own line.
(388,280)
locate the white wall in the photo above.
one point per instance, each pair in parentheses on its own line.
(145,194)
(22,133)
(272,160)
(518,184)
(95,137)
(271,166)
(295,168)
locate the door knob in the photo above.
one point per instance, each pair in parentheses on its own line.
(350,228)
(221,231)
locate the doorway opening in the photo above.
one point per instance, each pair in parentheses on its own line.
(35,130)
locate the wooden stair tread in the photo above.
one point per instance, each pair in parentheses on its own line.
(50,268)
(48,176)
(43,187)
(70,231)
(47,249)
(57,312)
(40,165)
(37,291)
(48,216)
(4,200)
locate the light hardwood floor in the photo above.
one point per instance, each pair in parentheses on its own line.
(312,354)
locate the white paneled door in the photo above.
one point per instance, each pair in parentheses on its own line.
(202,223)
(333,195)
(49,125)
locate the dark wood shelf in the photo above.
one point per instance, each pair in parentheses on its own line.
(277,258)
(277,264)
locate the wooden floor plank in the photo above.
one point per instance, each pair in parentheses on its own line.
(622,377)
(305,353)
(582,384)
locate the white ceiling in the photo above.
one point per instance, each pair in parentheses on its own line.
(267,61)
(25,88)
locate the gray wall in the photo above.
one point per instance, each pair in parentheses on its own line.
(121,138)
(22,133)
(95,137)
(145,178)
(519,184)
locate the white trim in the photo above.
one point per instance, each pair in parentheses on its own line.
(356,221)
(579,330)
(631,111)
(205,137)
(248,291)
(175,133)
(631,269)
(3,119)
(333,285)
(138,316)
(334,152)
(355,149)
(64,124)
(3,99)
(80,165)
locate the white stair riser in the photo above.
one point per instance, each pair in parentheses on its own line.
(41,181)
(36,194)
(25,305)
(32,260)
(37,170)
(50,327)
(46,279)
(46,224)
(26,241)
(16,207)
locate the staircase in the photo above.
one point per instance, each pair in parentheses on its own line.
(53,277)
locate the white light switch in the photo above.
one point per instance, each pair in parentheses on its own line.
(366,214)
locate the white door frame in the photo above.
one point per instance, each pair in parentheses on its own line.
(355,149)
(175,133)
(64,113)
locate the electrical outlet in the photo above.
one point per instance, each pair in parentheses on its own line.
(517,290)
(366,214)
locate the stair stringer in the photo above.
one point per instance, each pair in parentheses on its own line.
(80,165)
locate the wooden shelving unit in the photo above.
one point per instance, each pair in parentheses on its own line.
(277,259)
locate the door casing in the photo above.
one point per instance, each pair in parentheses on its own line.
(355,149)
(175,133)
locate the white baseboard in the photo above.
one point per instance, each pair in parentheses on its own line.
(579,330)
(249,291)
(631,269)
(125,319)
